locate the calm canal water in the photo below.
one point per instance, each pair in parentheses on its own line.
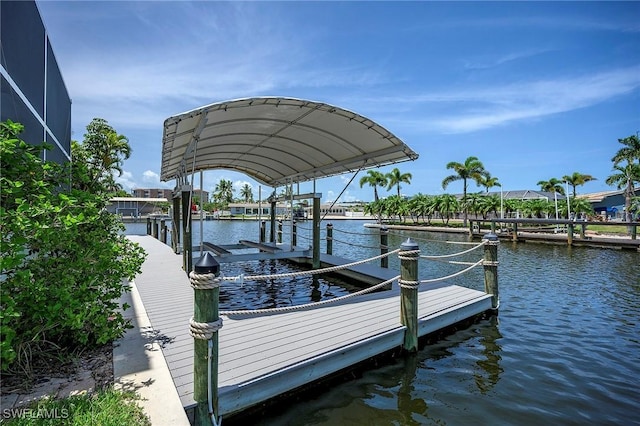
(564,349)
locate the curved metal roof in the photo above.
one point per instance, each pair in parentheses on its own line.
(276,140)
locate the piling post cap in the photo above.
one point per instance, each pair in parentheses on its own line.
(409,245)
(207,264)
(490,237)
(384,229)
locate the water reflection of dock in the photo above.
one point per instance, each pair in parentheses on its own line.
(266,355)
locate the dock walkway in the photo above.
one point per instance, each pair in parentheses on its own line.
(261,357)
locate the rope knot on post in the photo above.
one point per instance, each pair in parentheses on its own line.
(408,284)
(204,330)
(204,281)
(408,254)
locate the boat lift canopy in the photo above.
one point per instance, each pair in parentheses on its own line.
(276,141)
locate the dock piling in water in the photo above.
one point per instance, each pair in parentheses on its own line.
(384,247)
(409,255)
(491,268)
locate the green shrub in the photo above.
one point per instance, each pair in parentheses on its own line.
(64,257)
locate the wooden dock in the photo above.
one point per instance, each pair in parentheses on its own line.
(569,232)
(261,357)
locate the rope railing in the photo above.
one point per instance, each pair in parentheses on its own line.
(431,240)
(243,278)
(352,233)
(446,256)
(309,305)
(455,274)
(355,245)
(305,238)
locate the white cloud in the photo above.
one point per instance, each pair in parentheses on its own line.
(150,177)
(475,109)
(126,180)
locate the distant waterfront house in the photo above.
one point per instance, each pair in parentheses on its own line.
(253,209)
(33,90)
(135,206)
(608,203)
(528,194)
(165,193)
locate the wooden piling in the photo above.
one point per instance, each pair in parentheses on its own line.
(263,231)
(329,238)
(409,255)
(280,232)
(570,233)
(163,231)
(294,234)
(272,227)
(490,265)
(187,246)
(316,232)
(515,232)
(204,327)
(175,223)
(384,247)
(148,226)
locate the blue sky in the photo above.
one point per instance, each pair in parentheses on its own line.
(535,90)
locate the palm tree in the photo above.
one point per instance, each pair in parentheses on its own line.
(472,202)
(447,205)
(489,203)
(395,178)
(581,205)
(488,181)
(246,193)
(576,179)
(471,169)
(552,185)
(630,152)
(626,177)
(374,178)
(223,192)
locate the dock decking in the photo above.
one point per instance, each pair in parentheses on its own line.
(261,357)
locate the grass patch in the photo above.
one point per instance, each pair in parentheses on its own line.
(106,407)
(609,229)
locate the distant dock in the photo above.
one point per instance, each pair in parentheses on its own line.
(262,356)
(556,231)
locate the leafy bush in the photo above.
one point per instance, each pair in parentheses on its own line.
(64,257)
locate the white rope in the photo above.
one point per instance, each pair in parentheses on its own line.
(354,245)
(204,281)
(353,233)
(311,272)
(454,262)
(408,284)
(437,280)
(430,240)
(309,305)
(204,330)
(409,255)
(444,256)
